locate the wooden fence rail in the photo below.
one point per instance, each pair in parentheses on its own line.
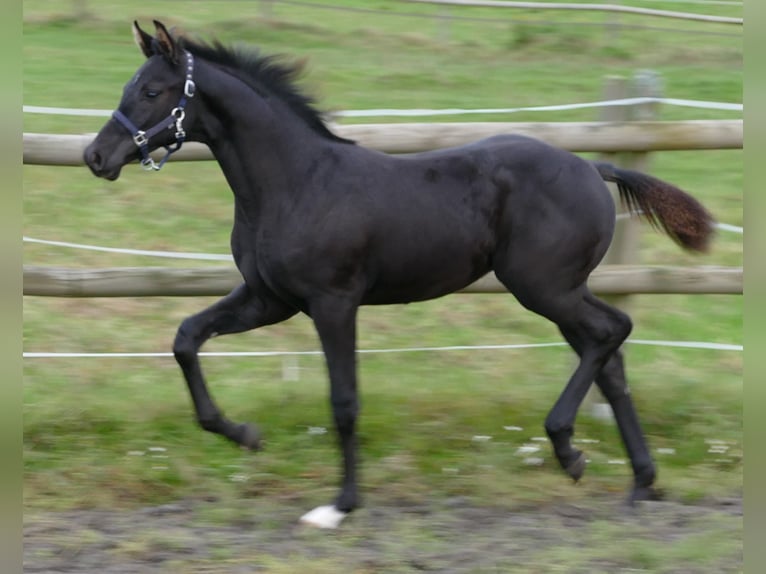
(608,137)
(220,280)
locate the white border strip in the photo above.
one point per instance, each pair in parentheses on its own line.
(689,345)
(722,226)
(449,111)
(711,2)
(729,227)
(677,344)
(168,254)
(66,111)
(597,7)
(609,103)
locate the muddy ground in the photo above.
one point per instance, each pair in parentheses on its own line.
(447,536)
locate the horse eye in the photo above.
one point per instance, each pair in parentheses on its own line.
(152,93)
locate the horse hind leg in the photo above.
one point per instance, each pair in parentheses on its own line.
(598,336)
(596,332)
(613,385)
(611,381)
(242,310)
(613,327)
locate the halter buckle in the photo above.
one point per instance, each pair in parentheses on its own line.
(140,138)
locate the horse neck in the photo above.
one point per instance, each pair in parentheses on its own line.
(259,142)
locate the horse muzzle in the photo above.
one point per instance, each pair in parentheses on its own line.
(99,163)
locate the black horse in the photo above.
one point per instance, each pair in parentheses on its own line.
(323,226)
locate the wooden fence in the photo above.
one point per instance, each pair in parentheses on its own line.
(608,137)
(220,280)
(628,136)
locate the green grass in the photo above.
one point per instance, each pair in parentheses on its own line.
(85,420)
(396,61)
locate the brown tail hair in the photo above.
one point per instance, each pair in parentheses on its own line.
(664,205)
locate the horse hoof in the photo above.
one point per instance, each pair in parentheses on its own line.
(249,437)
(577,468)
(324,517)
(644,493)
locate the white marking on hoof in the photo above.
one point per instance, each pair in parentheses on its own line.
(324,517)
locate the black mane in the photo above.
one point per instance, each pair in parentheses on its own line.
(270,74)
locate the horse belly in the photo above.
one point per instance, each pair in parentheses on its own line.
(406,273)
(430,239)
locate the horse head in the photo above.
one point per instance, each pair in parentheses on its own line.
(153,110)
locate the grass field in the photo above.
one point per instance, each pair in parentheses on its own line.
(119,432)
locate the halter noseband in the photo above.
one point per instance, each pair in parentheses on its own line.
(141,138)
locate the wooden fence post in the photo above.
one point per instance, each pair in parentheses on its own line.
(624,247)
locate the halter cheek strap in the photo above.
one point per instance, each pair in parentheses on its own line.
(175,119)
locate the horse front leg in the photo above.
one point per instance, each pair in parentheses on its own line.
(245,308)
(335,322)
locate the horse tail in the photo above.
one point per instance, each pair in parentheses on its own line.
(664,205)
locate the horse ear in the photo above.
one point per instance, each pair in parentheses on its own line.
(166,42)
(143,40)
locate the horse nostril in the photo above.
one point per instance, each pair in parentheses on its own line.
(93,159)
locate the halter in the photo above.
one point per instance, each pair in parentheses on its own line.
(141,138)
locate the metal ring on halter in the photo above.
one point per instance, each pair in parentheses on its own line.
(148,164)
(189,87)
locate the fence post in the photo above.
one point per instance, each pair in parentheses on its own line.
(614,89)
(647,83)
(624,247)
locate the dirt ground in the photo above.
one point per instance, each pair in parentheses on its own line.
(447,536)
